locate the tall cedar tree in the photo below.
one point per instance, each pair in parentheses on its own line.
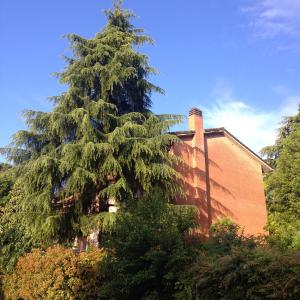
(100,142)
(108,67)
(283,184)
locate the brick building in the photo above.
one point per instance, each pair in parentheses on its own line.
(221,176)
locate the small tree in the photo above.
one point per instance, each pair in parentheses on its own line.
(148,250)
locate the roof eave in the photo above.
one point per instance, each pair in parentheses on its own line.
(187,133)
(265,167)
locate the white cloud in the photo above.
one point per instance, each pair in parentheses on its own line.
(256,128)
(270,18)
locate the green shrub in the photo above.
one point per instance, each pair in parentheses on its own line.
(147,251)
(226,235)
(255,274)
(56,273)
(234,267)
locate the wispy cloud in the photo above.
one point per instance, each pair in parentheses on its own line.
(272,18)
(256,128)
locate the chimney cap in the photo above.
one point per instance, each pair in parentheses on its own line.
(195,111)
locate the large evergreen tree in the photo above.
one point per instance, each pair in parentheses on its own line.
(283,184)
(108,67)
(100,143)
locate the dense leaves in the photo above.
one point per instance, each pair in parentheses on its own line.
(99,144)
(6,183)
(288,124)
(56,273)
(108,66)
(245,274)
(127,157)
(149,257)
(15,237)
(247,269)
(148,250)
(283,186)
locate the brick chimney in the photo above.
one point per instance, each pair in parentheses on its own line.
(198,163)
(196,124)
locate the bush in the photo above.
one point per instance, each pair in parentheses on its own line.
(233,267)
(226,235)
(147,250)
(255,274)
(56,273)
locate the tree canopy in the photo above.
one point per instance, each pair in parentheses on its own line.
(108,66)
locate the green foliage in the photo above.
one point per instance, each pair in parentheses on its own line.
(4,167)
(100,142)
(283,186)
(109,67)
(284,230)
(148,257)
(14,236)
(246,274)
(147,250)
(225,235)
(60,186)
(56,273)
(272,152)
(6,183)
(232,267)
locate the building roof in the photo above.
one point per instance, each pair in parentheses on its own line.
(183,133)
(265,166)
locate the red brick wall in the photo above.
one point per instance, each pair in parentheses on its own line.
(193,179)
(220,177)
(236,184)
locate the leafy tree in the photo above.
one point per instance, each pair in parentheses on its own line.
(148,250)
(99,144)
(283,185)
(6,183)
(272,152)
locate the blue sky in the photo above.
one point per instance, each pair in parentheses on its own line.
(238,61)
